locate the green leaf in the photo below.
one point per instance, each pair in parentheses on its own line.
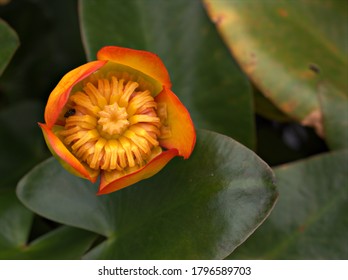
(201,208)
(309,220)
(21,144)
(267,109)
(335,114)
(288,48)
(61,243)
(204,75)
(9,44)
(15,221)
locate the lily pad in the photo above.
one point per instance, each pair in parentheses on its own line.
(204,75)
(335,116)
(266,109)
(288,48)
(9,44)
(309,220)
(15,223)
(63,243)
(200,208)
(21,145)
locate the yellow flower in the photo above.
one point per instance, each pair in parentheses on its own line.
(118,118)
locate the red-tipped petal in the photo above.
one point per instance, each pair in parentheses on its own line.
(59,96)
(150,169)
(182,132)
(67,159)
(144,61)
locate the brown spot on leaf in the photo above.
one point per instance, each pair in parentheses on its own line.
(315,68)
(289,106)
(250,63)
(307,74)
(301,228)
(218,19)
(315,120)
(282,12)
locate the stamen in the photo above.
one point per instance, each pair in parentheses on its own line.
(141,142)
(85,121)
(85,151)
(139,100)
(85,136)
(127,148)
(97,156)
(115,127)
(143,119)
(104,87)
(95,95)
(82,100)
(163,115)
(139,130)
(128,90)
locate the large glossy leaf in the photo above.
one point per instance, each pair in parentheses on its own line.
(15,224)
(335,116)
(61,243)
(204,75)
(21,143)
(15,221)
(266,109)
(310,219)
(9,43)
(200,208)
(288,48)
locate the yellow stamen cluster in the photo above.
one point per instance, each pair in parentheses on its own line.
(114,125)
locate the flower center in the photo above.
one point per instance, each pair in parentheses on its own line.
(110,125)
(113,120)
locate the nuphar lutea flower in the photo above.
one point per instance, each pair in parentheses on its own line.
(117,118)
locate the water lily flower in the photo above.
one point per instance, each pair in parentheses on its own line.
(117,118)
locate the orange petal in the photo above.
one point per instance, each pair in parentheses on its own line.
(146,62)
(182,132)
(59,96)
(154,166)
(67,159)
